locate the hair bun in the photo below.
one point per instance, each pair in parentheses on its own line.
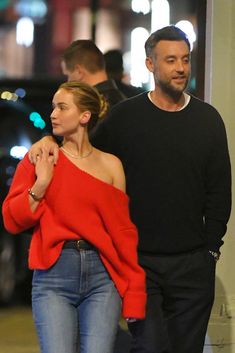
(104,106)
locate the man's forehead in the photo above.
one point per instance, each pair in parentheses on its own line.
(172,47)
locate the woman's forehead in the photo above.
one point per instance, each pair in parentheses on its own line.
(62,94)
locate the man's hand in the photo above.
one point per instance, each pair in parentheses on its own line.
(46,144)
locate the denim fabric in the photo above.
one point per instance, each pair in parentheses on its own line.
(76,306)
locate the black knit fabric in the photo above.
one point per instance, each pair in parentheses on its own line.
(110,91)
(178,172)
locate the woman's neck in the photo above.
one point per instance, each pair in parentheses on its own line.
(77,146)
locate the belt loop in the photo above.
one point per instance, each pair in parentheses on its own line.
(78,245)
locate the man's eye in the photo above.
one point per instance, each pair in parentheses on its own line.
(170,61)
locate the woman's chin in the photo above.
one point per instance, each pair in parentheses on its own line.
(56,132)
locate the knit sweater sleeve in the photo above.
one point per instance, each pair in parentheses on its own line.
(218,189)
(115,214)
(17,215)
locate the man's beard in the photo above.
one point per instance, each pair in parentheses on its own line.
(172,90)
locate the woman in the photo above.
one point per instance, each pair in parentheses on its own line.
(83,249)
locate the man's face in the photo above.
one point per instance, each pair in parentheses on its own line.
(72,75)
(170,65)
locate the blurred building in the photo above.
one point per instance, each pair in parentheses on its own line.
(34,33)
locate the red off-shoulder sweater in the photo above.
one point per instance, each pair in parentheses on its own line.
(78,205)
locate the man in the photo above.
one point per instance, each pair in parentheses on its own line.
(82,61)
(174,150)
(114,68)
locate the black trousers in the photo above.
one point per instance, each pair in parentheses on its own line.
(180,297)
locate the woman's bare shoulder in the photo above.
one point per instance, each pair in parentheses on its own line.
(109,159)
(114,167)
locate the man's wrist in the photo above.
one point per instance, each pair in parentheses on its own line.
(215,254)
(130,320)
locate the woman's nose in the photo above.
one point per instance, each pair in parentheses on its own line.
(53,113)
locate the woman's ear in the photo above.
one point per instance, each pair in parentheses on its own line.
(85,117)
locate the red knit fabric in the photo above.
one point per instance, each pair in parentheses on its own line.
(78,205)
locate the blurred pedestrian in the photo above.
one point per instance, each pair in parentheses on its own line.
(115,70)
(82,61)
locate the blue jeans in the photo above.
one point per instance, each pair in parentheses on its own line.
(76,306)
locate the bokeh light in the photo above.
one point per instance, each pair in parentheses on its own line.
(18,152)
(140,6)
(9,96)
(187,27)
(20,92)
(4,4)
(25,31)
(32,8)
(37,120)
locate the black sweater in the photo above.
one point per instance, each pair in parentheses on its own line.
(177,169)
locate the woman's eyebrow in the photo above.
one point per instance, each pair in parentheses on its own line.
(59,104)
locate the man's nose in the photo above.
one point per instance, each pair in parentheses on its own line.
(180,66)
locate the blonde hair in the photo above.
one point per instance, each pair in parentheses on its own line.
(87,98)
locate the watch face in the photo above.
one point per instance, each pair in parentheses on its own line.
(216,255)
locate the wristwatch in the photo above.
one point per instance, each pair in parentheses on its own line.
(216,255)
(130,320)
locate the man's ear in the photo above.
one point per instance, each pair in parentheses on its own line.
(85,117)
(149,64)
(79,72)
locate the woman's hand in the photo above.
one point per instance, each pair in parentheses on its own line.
(49,146)
(44,169)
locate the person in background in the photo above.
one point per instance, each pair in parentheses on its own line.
(84,245)
(82,61)
(114,68)
(173,147)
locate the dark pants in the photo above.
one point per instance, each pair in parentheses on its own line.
(180,297)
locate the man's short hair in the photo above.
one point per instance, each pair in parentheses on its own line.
(114,63)
(83,52)
(171,33)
